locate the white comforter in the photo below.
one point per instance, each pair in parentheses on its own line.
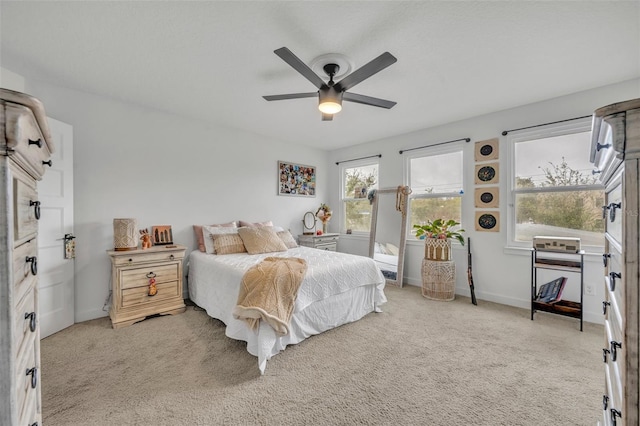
(338,288)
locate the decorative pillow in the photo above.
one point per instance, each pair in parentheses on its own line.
(262,239)
(287,239)
(209,231)
(227,244)
(200,236)
(255,224)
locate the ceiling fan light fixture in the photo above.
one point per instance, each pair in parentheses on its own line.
(330,101)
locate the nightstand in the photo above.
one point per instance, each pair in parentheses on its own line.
(131,273)
(322,242)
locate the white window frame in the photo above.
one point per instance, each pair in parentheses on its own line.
(430,151)
(343,199)
(559,129)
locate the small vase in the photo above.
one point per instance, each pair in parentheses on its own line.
(324,227)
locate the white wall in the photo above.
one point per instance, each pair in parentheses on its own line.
(501,275)
(164,170)
(11,80)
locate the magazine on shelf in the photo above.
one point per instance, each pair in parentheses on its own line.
(552,291)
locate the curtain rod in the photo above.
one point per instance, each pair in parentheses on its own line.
(435,144)
(545,124)
(361,158)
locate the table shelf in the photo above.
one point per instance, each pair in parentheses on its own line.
(566,262)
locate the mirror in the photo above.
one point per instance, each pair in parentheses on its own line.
(389,231)
(309,223)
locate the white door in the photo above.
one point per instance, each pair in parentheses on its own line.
(55,272)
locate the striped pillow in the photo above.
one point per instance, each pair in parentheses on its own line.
(227,244)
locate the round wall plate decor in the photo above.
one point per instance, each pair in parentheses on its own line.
(487,150)
(487,221)
(486,173)
(487,197)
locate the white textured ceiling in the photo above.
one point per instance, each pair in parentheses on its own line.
(214,60)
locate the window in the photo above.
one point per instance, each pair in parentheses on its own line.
(357,181)
(553,191)
(435,177)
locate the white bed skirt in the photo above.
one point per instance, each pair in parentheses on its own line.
(215,292)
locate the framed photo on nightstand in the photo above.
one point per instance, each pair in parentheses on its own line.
(161,235)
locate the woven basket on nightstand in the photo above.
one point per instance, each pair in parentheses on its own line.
(438,280)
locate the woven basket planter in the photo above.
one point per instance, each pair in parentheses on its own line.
(439,280)
(437,249)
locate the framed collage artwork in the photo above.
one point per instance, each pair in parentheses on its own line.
(297,180)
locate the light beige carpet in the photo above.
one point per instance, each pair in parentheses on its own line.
(420,362)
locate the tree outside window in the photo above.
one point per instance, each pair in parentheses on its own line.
(435,178)
(357,181)
(554,190)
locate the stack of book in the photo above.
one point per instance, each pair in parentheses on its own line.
(552,291)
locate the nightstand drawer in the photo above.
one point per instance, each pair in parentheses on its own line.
(139,256)
(327,246)
(325,240)
(139,277)
(140,295)
(321,242)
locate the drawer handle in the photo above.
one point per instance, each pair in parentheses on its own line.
(171,257)
(604,211)
(614,349)
(31,316)
(615,413)
(38,143)
(600,146)
(612,280)
(605,259)
(130,260)
(34,424)
(153,289)
(605,352)
(34,264)
(48,163)
(612,211)
(595,171)
(604,307)
(36,209)
(605,402)
(33,372)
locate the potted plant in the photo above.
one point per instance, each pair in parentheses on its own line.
(437,235)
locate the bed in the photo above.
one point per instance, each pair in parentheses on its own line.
(338,288)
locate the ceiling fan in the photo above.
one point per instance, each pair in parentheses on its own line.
(331,94)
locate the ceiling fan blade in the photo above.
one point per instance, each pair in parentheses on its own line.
(366,71)
(291,96)
(299,66)
(367,100)
(327,117)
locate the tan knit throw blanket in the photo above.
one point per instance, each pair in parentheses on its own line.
(268,292)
